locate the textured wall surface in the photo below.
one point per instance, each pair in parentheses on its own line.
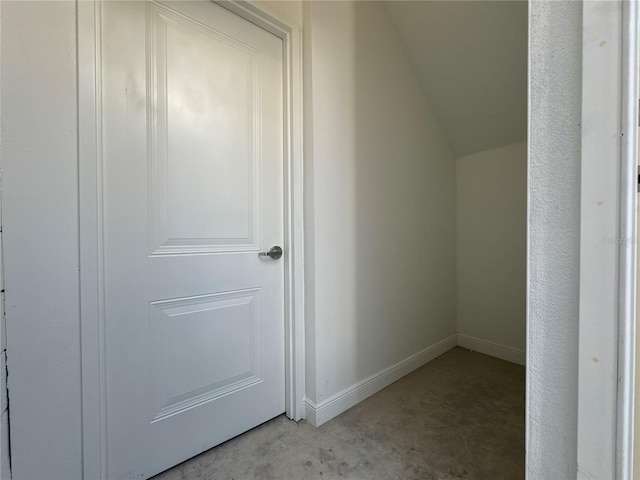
(492,245)
(383,201)
(40,223)
(554,226)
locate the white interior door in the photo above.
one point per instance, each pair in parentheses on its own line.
(192,138)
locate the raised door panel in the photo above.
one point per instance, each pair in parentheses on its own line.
(202,348)
(205,137)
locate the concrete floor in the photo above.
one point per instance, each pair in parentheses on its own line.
(461,416)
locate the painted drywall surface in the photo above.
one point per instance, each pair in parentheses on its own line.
(287,10)
(40,228)
(471,58)
(309,204)
(383,201)
(492,245)
(554,225)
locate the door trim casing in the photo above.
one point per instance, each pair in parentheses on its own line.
(93,372)
(627,257)
(608,238)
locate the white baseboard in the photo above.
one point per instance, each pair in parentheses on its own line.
(493,349)
(320,413)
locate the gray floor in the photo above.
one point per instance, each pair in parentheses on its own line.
(459,416)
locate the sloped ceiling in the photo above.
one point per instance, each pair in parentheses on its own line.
(471,57)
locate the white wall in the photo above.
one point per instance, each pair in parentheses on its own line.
(471,58)
(40,228)
(288,10)
(382,190)
(555,35)
(5,471)
(492,250)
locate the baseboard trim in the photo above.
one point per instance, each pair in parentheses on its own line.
(493,349)
(320,413)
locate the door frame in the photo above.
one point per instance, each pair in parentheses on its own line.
(606,363)
(627,259)
(93,368)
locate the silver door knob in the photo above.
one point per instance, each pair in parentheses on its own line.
(274,252)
